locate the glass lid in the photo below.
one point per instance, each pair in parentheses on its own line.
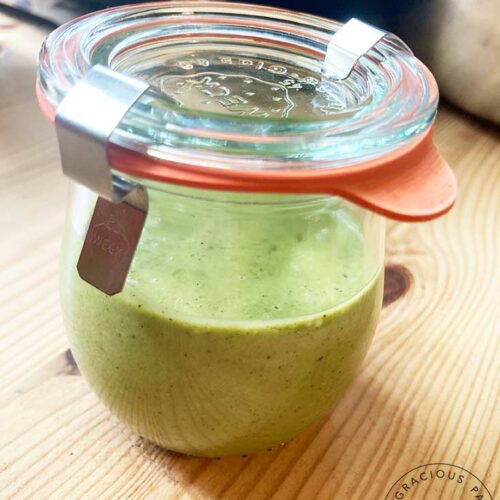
(239,86)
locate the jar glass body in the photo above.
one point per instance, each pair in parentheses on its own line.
(243,319)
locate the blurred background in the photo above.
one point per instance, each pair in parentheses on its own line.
(458,39)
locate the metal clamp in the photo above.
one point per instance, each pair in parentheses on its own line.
(85,119)
(353,40)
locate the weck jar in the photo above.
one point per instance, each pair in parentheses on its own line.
(250,275)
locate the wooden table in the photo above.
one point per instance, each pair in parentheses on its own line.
(427,392)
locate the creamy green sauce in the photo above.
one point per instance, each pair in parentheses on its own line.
(234,332)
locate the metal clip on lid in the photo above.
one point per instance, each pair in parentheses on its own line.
(85,120)
(353,40)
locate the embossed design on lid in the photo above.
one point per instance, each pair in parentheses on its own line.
(366,137)
(388,100)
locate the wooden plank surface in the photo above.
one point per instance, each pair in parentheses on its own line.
(428,390)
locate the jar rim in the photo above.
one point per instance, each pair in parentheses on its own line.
(393,97)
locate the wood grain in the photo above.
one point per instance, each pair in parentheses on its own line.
(428,391)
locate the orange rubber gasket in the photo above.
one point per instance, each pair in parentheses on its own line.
(412,183)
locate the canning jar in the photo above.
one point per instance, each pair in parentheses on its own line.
(232,306)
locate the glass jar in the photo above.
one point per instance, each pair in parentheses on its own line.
(256,286)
